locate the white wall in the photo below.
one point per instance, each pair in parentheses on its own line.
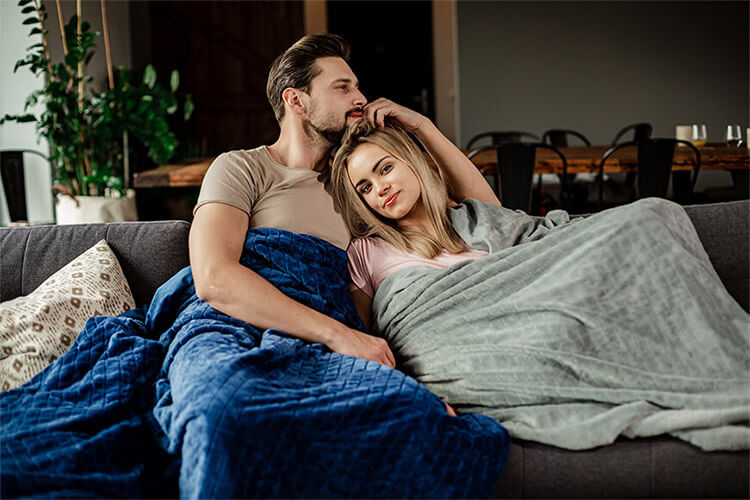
(14,88)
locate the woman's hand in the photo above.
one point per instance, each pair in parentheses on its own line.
(362,345)
(378,110)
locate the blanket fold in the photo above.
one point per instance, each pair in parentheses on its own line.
(201,405)
(572,333)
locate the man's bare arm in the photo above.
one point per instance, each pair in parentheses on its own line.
(217,236)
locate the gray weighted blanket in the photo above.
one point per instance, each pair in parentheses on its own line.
(571,333)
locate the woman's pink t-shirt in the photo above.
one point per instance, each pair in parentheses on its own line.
(371,260)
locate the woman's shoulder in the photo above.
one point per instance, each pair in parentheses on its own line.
(369,246)
(362,245)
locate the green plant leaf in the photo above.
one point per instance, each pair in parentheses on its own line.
(21,3)
(189,107)
(32,99)
(31,20)
(149,76)
(35,31)
(28,9)
(174,80)
(20,63)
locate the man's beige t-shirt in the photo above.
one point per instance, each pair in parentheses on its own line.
(273,195)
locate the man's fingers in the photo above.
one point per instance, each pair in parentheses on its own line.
(381,117)
(391,358)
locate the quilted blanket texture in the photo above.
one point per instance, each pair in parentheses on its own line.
(572,333)
(181,399)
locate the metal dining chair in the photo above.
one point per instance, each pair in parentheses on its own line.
(502,137)
(641,132)
(655,158)
(13,180)
(514,174)
(558,137)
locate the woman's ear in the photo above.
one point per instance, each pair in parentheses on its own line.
(294,100)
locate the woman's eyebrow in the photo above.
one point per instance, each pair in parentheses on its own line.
(374,168)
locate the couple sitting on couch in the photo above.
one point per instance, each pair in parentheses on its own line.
(613,325)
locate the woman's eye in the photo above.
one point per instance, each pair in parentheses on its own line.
(385,169)
(366,189)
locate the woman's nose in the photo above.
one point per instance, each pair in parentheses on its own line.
(383,189)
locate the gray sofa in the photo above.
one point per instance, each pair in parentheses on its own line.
(151,252)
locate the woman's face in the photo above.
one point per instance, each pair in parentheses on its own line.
(386,184)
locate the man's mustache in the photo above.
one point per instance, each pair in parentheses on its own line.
(356,110)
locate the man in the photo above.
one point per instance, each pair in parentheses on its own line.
(315,95)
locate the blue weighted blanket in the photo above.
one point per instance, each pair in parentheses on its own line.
(180,399)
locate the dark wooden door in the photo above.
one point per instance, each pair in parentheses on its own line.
(223,50)
(391,48)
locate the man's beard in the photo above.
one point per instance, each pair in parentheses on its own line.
(331,135)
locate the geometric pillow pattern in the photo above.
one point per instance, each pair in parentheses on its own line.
(38,328)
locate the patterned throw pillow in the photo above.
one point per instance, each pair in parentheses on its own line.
(38,328)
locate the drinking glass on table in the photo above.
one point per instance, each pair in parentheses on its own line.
(734,136)
(700,135)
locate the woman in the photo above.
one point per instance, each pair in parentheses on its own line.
(569,333)
(386,190)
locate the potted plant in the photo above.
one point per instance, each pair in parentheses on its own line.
(88,131)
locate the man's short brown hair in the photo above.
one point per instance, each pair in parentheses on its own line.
(296,67)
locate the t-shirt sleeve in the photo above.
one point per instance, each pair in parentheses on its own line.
(360,265)
(230,180)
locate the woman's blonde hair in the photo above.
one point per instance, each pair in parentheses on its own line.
(362,221)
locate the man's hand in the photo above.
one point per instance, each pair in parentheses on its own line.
(450,410)
(362,345)
(378,110)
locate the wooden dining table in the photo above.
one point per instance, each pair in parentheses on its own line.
(580,159)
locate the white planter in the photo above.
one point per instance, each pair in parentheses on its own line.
(90,209)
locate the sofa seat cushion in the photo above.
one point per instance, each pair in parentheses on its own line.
(38,328)
(657,467)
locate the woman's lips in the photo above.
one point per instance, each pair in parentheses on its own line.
(391,200)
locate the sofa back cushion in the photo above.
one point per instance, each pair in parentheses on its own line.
(725,234)
(149,253)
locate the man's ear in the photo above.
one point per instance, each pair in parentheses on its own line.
(294,100)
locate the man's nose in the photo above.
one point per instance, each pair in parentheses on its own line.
(359,99)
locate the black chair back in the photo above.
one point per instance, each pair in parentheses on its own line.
(502,137)
(515,172)
(13,179)
(14,184)
(559,137)
(655,158)
(641,132)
